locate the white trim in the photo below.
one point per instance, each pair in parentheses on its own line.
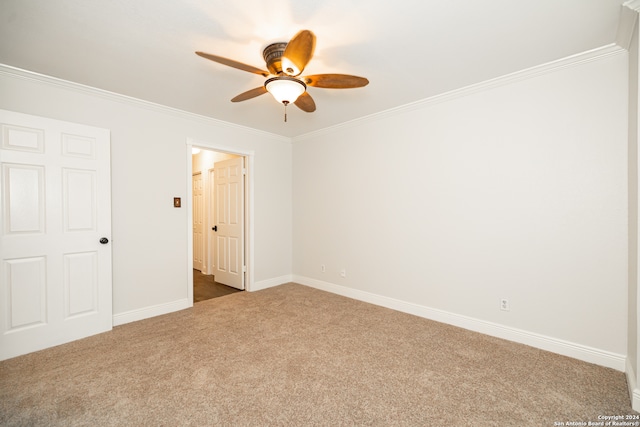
(210,219)
(152,311)
(632,384)
(555,345)
(270,283)
(632,4)
(187,204)
(249,262)
(626,25)
(570,61)
(573,60)
(112,96)
(249,155)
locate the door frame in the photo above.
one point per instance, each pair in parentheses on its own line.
(248,209)
(209,248)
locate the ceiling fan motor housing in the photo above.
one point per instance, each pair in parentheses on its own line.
(272,55)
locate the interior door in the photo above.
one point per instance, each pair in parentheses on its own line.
(210,221)
(55,253)
(229,222)
(198,222)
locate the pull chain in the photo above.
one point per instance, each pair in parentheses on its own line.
(285,110)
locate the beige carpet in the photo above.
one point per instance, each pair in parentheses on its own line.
(295,356)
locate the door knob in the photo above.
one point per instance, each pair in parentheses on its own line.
(215,228)
(104,240)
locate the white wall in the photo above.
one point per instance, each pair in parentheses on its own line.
(632,334)
(149,168)
(516,191)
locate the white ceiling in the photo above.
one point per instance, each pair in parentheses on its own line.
(408,49)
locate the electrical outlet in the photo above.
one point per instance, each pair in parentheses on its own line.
(504,304)
(343,273)
(323,268)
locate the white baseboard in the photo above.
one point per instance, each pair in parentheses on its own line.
(543,342)
(632,383)
(147,312)
(157,310)
(269,283)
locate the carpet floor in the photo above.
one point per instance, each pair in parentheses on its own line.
(296,356)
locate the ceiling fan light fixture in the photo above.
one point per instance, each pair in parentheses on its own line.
(285,89)
(289,67)
(285,62)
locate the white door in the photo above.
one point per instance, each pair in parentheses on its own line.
(198,222)
(211,221)
(55,219)
(229,222)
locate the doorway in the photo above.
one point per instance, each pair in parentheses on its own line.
(205,287)
(219,206)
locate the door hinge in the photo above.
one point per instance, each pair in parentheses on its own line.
(244,268)
(244,171)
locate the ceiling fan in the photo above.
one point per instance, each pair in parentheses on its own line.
(286,62)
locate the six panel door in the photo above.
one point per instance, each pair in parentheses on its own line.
(56,280)
(229,219)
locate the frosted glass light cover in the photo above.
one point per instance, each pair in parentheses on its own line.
(285,89)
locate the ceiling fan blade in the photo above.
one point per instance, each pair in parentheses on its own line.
(234,64)
(335,81)
(298,52)
(306,103)
(250,94)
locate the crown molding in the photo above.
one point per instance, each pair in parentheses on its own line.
(571,61)
(632,4)
(14,72)
(568,62)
